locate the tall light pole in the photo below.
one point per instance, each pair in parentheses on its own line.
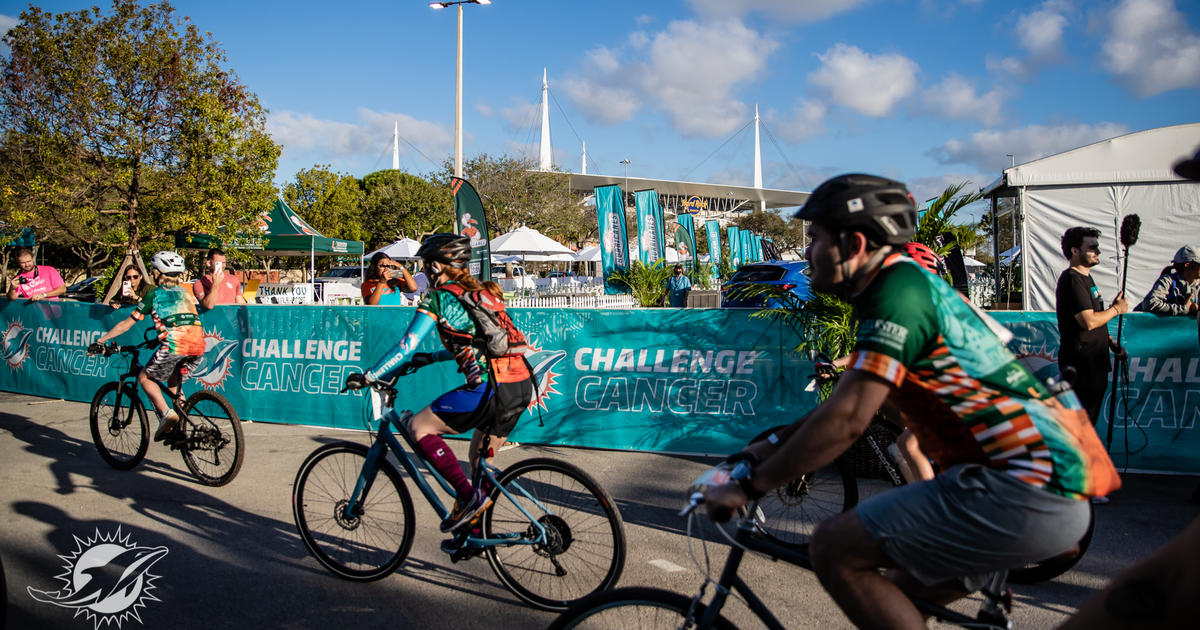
(458,151)
(626,163)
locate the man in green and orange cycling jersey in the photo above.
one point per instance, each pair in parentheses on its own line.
(174,313)
(1016,460)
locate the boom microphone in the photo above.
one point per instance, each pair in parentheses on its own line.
(1130,227)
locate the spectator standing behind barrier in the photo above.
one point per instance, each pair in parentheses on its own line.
(134,287)
(386,282)
(217,286)
(35,282)
(1175,291)
(1082,320)
(678,287)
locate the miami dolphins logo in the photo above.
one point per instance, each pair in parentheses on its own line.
(106,578)
(16,344)
(543,361)
(214,365)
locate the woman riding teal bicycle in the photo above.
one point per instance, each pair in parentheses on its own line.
(496,392)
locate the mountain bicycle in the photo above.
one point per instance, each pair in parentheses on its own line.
(209,433)
(631,608)
(788,514)
(552,534)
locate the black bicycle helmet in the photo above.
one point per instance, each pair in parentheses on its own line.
(878,207)
(446,248)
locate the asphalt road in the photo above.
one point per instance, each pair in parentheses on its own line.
(234,559)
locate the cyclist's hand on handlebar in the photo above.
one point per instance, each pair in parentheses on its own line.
(722,501)
(825,371)
(356,381)
(96,348)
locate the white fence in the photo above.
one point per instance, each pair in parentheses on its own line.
(572,301)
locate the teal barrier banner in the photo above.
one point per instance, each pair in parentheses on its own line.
(652,242)
(668,380)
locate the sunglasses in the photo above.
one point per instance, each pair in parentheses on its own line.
(133,276)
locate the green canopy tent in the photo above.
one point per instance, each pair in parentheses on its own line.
(284,233)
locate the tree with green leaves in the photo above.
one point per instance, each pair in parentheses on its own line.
(939,219)
(328,201)
(400,205)
(118,129)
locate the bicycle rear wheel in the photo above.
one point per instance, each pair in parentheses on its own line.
(585,547)
(368,545)
(119,429)
(212,446)
(788,514)
(634,608)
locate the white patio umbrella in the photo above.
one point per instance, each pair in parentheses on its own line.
(403,249)
(526,242)
(971,262)
(588,254)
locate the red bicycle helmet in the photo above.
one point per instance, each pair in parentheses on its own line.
(924,256)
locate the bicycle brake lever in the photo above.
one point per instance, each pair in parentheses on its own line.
(694,502)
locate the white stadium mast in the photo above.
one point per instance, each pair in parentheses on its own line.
(544,158)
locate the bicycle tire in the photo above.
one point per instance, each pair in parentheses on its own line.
(213,446)
(120,433)
(634,608)
(788,514)
(1053,567)
(586,550)
(365,548)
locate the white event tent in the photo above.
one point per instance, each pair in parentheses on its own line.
(1098,185)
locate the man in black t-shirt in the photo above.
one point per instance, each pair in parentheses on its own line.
(1082,320)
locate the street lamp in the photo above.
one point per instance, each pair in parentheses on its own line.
(458,158)
(626,163)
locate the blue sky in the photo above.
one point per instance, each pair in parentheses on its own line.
(930,92)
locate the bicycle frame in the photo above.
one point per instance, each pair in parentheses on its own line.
(991,615)
(135,368)
(385,441)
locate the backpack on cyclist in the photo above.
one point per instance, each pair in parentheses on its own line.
(495,334)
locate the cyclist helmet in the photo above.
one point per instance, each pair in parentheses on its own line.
(448,249)
(880,208)
(924,256)
(167,262)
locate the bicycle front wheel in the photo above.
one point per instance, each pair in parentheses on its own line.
(788,514)
(119,427)
(213,445)
(364,546)
(635,608)
(584,550)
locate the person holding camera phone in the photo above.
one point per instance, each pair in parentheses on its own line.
(35,282)
(386,283)
(134,287)
(217,286)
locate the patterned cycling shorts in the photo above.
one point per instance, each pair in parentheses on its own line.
(162,365)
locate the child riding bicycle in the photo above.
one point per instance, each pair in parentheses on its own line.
(497,389)
(173,310)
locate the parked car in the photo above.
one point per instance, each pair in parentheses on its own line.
(84,290)
(786,275)
(348,275)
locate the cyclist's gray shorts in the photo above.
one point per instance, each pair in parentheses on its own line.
(970,521)
(162,364)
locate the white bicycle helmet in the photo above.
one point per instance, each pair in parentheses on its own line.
(167,262)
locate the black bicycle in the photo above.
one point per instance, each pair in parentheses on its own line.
(789,514)
(640,607)
(209,433)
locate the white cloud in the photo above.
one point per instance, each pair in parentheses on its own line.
(806,120)
(986,150)
(332,140)
(689,71)
(955,97)
(484,110)
(6,24)
(869,84)
(1039,33)
(793,10)
(923,188)
(523,115)
(1150,48)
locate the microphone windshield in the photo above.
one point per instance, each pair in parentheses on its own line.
(1130,227)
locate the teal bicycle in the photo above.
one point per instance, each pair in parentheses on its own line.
(552,534)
